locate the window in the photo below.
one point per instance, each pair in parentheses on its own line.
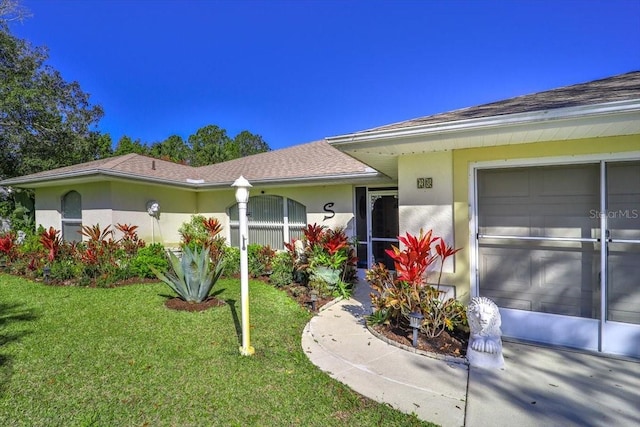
(272,221)
(71,216)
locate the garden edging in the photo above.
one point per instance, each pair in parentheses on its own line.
(444,357)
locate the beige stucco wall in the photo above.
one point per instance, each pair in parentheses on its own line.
(216,203)
(113,203)
(445,208)
(129,202)
(126,203)
(427,208)
(96,204)
(462,160)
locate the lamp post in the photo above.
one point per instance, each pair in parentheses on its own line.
(415,319)
(242,197)
(314,299)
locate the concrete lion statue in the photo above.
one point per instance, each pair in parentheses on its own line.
(485,339)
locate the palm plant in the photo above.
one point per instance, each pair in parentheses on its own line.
(191,276)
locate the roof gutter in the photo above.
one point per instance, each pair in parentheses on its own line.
(91,172)
(604,109)
(189,183)
(300,180)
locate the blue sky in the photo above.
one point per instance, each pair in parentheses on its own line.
(298,71)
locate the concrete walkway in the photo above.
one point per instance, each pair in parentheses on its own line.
(539,387)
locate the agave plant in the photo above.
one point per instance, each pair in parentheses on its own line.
(191,276)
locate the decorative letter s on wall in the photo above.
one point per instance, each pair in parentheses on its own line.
(327,208)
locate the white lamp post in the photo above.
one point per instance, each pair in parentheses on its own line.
(242,197)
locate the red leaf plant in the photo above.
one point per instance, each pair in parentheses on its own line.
(7,245)
(128,230)
(314,234)
(130,241)
(50,239)
(334,244)
(91,256)
(395,298)
(412,263)
(213,226)
(95,234)
(444,252)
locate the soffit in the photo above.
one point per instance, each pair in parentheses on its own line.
(382,151)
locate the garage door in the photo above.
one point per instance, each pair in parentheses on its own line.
(542,257)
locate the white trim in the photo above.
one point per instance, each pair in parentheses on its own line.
(197,185)
(556,160)
(607,108)
(473,230)
(603,253)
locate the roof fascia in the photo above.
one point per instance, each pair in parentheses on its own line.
(27,182)
(187,184)
(587,111)
(315,180)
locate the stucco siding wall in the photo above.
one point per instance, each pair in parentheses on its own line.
(48,205)
(462,160)
(129,203)
(427,208)
(215,204)
(315,198)
(96,207)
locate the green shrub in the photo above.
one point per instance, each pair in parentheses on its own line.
(151,255)
(191,277)
(282,270)
(260,259)
(65,269)
(322,258)
(193,231)
(30,244)
(231,261)
(201,232)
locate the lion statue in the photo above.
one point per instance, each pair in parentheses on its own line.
(485,342)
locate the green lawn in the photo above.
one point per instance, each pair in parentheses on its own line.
(73,356)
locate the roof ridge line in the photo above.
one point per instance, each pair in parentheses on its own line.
(115,161)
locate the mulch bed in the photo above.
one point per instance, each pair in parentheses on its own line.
(180,304)
(300,294)
(448,343)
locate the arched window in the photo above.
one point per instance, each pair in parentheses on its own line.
(273,220)
(71,216)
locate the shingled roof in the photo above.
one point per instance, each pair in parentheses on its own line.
(622,87)
(315,161)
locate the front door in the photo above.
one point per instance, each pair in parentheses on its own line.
(383,225)
(558,249)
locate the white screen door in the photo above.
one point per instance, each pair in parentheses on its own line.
(541,257)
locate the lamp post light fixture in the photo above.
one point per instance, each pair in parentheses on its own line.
(415,319)
(242,197)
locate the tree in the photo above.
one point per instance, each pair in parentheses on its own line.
(126,146)
(173,149)
(245,144)
(45,122)
(210,144)
(96,146)
(12,10)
